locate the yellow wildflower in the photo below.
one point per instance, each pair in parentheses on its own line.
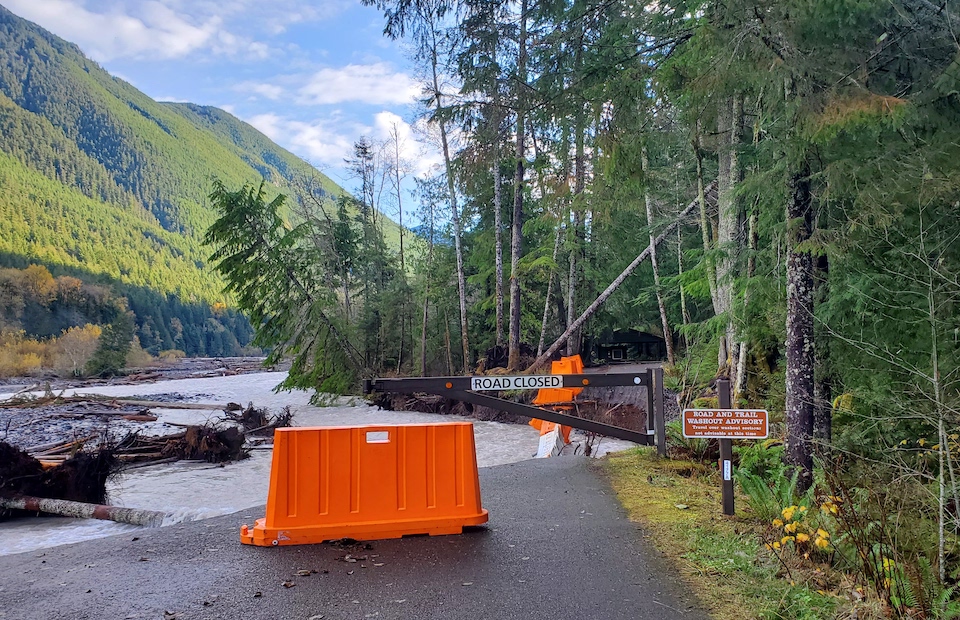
(823,533)
(801,537)
(778,522)
(776,545)
(790,528)
(803,508)
(786,539)
(788,512)
(823,543)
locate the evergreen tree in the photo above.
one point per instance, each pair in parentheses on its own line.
(115,342)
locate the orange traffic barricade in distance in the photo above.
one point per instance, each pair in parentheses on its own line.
(558,398)
(547,427)
(572,365)
(369,483)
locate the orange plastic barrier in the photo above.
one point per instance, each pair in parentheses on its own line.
(572,365)
(369,483)
(546,427)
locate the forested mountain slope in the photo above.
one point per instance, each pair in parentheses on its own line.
(100,182)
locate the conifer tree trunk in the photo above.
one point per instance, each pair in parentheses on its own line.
(423,330)
(426,297)
(516,241)
(455,216)
(710,268)
(823,386)
(729,222)
(447,341)
(684,312)
(579,184)
(498,242)
(546,302)
(573,277)
(800,337)
(395,136)
(497,213)
(753,240)
(648,202)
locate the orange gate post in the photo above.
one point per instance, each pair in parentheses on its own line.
(369,483)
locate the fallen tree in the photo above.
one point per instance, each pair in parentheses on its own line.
(711,197)
(83,510)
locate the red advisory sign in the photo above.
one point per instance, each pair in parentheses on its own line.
(725,423)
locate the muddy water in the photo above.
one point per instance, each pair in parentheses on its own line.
(190,491)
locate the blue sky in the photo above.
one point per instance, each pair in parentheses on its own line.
(312,75)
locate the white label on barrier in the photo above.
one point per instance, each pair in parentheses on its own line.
(378,437)
(550,444)
(532,382)
(727,470)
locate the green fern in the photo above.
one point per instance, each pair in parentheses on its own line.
(696,449)
(768,500)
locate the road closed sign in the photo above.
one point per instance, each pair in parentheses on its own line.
(725,423)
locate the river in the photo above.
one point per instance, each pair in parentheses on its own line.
(190,491)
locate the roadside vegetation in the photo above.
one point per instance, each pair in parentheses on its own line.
(771,186)
(78,352)
(829,552)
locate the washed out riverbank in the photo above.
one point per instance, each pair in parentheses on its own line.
(198,490)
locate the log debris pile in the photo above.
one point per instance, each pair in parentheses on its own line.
(77,469)
(196,443)
(255,421)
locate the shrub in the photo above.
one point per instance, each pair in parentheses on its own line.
(692,448)
(760,458)
(74,348)
(769,495)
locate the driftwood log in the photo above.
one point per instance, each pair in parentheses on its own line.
(82,510)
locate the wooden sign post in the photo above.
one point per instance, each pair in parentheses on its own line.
(725,424)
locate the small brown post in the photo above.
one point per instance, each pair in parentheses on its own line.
(659,419)
(726,451)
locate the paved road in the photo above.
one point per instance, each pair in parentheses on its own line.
(557,546)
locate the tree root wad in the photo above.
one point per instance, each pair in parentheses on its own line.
(83,476)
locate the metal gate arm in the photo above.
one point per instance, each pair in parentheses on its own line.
(552,416)
(443,385)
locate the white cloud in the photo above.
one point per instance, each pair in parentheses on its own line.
(272,92)
(418,156)
(153,30)
(375,84)
(165,29)
(322,142)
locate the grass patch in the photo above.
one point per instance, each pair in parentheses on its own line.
(722,559)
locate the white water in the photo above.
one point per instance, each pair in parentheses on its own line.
(191,491)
